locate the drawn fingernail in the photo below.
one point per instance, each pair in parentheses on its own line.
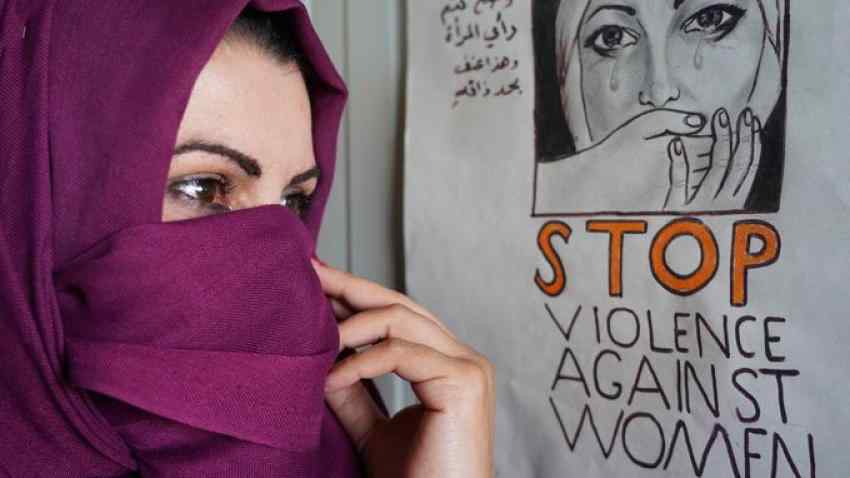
(694,120)
(748,117)
(678,147)
(724,118)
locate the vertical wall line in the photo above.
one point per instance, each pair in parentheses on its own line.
(346,67)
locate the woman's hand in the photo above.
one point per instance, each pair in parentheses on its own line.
(628,171)
(722,183)
(450,434)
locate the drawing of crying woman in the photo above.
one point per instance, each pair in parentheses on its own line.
(673,105)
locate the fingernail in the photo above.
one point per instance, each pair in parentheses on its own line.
(724,118)
(748,117)
(678,147)
(694,120)
(316,259)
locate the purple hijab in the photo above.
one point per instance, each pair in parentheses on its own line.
(195,348)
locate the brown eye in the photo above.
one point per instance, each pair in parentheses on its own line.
(297,202)
(207,192)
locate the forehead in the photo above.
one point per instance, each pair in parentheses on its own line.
(247,100)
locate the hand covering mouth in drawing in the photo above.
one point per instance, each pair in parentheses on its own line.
(618,59)
(190,348)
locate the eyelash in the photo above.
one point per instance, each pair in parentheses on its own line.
(182,189)
(189,189)
(301,204)
(628,37)
(730,15)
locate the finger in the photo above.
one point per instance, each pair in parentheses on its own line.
(679,174)
(748,174)
(413,362)
(663,122)
(441,383)
(743,137)
(357,412)
(360,294)
(397,322)
(341,310)
(721,153)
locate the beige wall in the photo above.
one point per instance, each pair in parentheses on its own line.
(363,229)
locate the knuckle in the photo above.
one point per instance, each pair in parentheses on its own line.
(725,137)
(474,371)
(395,317)
(489,367)
(397,309)
(486,371)
(395,347)
(476,378)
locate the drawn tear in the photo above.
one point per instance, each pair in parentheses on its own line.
(614,82)
(698,57)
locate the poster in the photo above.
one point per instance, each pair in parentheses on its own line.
(640,211)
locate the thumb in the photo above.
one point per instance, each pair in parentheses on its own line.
(356,411)
(662,122)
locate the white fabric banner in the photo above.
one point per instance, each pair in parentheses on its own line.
(640,211)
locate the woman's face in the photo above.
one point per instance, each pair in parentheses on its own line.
(245,139)
(690,55)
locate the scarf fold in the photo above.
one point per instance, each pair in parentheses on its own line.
(201,322)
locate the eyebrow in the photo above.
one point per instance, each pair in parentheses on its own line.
(250,165)
(622,8)
(311,173)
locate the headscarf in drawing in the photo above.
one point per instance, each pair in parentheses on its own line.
(569,19)
(192,348)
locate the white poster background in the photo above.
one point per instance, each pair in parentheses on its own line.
(472,256)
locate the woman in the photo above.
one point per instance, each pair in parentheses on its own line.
(667,102)
(164,173)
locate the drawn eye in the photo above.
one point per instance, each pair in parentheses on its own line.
(205,192)
(609,39)
(717,20)
(297,202)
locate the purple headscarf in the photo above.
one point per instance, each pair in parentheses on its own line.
(194,348)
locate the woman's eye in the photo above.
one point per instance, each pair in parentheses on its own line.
(297,202)
(608,39)
(208,192)
(714,20)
